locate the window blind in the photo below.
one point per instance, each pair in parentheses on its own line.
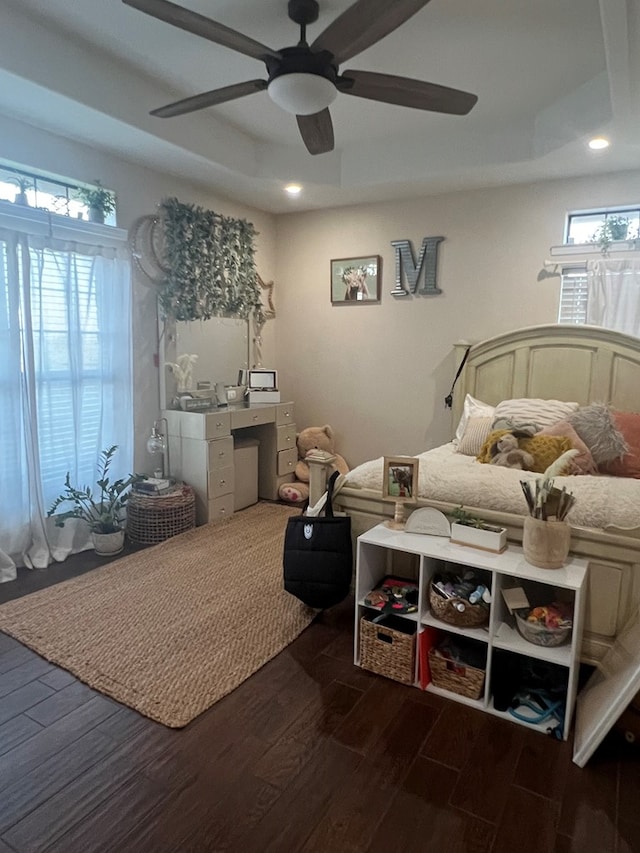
(573,296)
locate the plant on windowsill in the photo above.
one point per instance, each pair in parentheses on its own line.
(99,200)
(468,529)
(103,511)
(23,184)
(613,229)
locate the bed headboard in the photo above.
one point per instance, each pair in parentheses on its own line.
(572,363)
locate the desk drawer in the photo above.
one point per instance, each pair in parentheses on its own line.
(221,482)
(220,453)
(252,417)
(220,508)
(285,437)
(217,424)
(287,460)
(284,414)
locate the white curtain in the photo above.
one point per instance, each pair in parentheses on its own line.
(65,384)
(613,295)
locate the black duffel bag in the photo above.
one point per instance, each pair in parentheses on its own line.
(318,556)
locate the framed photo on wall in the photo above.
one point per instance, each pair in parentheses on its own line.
(355,280)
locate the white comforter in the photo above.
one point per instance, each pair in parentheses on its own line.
(445,475)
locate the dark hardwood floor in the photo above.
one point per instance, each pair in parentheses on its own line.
(310,754)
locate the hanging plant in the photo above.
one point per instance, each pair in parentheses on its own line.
(211,265)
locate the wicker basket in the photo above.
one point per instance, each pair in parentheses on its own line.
(539,634)
(154,518)
(388,651)
(457,678)
(457,611)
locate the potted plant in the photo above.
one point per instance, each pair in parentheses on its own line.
(467,529)
(23,184)
(613,228)
(99,200)
(103,511)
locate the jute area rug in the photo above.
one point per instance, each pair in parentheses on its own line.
(171,629)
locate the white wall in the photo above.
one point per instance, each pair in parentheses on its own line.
(138,191)
(378,373)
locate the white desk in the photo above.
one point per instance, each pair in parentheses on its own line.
(201,452)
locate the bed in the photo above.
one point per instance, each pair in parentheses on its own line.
(581,364)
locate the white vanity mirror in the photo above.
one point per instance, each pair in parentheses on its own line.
(222,347)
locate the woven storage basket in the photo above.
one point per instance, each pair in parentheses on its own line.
(457,678)
(538,634)
(388,651)
(154,518)
(446,609)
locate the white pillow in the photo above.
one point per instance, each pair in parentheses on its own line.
(533,410)
(473,409)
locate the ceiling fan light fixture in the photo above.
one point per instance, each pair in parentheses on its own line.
(302,94)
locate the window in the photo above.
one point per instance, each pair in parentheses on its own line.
(65,369)
(619,223)
(603,227)
(44,193)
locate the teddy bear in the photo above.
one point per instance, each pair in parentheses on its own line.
(506,452)
(311,438)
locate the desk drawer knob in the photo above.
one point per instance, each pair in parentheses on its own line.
(290,464)
(255,417)
(223,482)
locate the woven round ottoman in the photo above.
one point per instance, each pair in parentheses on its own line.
(154,518)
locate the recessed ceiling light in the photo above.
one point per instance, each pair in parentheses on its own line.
(598,143)
(293,189)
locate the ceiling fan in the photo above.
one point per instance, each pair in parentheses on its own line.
(304,79)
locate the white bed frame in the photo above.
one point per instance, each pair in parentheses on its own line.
(581,363)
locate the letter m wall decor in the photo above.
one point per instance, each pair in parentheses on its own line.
(427,261)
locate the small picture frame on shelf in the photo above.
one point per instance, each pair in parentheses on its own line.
(400,484)
(355,280)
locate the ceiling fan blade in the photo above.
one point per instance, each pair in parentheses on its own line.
(406,92)
(197,24)
(317,132)
(210,99)
(363,24)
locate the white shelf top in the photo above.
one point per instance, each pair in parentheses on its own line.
(509,562)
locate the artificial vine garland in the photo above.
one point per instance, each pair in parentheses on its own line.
(211,265)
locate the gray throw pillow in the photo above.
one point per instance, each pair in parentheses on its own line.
(596,427)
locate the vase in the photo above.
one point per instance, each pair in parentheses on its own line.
(107,544)
(96,214)
(546,543)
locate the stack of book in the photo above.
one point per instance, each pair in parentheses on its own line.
(154,486)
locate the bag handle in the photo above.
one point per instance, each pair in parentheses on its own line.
(325,499)
(328,509)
